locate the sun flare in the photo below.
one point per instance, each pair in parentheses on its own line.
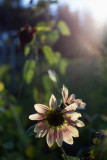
(98,8)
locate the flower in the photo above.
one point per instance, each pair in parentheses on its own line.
(59,124)
(70,100)
(27,34)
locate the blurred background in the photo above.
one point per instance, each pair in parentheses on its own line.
(68,46)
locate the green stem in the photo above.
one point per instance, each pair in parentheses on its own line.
(64,153)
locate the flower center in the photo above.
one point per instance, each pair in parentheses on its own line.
(55,118)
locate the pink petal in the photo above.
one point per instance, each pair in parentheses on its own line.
(52,102)
(71,107)
(64,94)
(42,133)
(41,108)
(51,136)
(71,99)
(36,116)
(41,129)
(81,105)
(59,138)
(73,130)
(79,123)
(67,136)
(40,126)
(73,116)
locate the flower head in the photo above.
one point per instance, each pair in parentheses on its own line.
(70,100)
(59,124)
(27,34)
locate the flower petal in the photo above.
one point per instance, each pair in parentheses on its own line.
(52,102)
(36,116)
(41,134)
(81,105)
(79,123)
(71,107)
(73,116)
(41,129)
(67,136)
(40,126)
(59,138)
(64,94)
(51,136)
(41,108)
(73,130)
(71,99)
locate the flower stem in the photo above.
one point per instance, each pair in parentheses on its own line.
(65,156)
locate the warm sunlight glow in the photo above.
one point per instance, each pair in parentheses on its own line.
(98,8)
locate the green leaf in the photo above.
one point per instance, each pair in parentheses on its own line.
(3,70)
(63,65)
(48,54)
(28,70)
(30,152)
(26,50)
(63,28)
(52,37)
(57,57)
(30,131)
(47,83)
(43,26)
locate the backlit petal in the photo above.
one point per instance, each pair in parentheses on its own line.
(73,116)
(71,99)
(79,123)
(71,107)
(73,131)
(52,102)
(67,136)
(81,105)
(64,94)
(51,137)
(59,138)
(41,134)
(40,108)
(36,116)
(40,126)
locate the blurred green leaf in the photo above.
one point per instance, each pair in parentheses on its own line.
(26,50)
(52,37)
(57,57)
(28,70)
(43,26)
(3,70)
(30,131)
(35,94)
(1,86)
(63,65)
(63,28)
(48,54)
(47,82)
(30,151)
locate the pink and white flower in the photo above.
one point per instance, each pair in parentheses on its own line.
(70,100)
(57,124)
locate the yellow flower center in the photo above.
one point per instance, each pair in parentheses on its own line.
(55,118)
